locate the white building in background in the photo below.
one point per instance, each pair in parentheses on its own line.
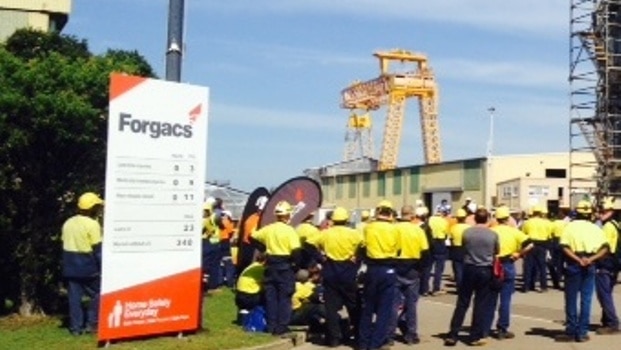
(44,15)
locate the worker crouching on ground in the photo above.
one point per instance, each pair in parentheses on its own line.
(514,244)
(380,237)
(583,244)
(81,264)
(307,305)
(249,288)
(341,245)
(413,255)
(282,246)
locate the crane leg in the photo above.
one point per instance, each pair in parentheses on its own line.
(392,132)
(430,129)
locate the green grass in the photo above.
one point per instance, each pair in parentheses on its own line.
(48,333)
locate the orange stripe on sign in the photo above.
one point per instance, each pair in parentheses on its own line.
(168,304)
(121,83)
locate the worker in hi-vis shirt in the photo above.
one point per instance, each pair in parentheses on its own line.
(381,250)
(539,230)
(583,244)
(514,244)
(413,254)
(606,273)
(283,253)
(340,245)
(439,226)
(456,250)
(81,264)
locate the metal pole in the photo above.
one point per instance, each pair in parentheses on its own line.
(490,147)
(175,40)
(490,141)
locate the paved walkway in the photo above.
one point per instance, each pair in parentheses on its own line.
(536,319)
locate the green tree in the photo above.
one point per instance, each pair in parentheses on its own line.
(53,127)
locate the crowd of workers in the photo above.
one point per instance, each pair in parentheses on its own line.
(378,269)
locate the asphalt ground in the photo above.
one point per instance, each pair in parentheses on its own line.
(536,319)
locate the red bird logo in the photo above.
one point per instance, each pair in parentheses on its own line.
(195,113)
(299,195)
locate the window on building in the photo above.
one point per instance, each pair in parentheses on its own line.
(397,181)
(366,185)
(506,191)
(381,184)
(339,187)
(560,191)
(556,173)
(472,175)
(352,186)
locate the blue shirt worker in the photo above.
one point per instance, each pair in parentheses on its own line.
(514,244)
(382,248)
(481,244)
(583,244)
(539,230)
(81,264)
(341,245)
(414,246)
(283,253)
(606,274)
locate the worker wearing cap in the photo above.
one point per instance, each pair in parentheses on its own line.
(539,230)
(414,248)
(456,250)
(381,249)
(480,244)
(341,245)
(514,244)
(439,251)
(81,262)
(606,273)
(583,244)
(283,249)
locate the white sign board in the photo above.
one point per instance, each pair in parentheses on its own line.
(157,143)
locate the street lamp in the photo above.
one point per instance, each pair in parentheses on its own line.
(490,147)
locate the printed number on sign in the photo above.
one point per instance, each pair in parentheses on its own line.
(188,227)
(184,242)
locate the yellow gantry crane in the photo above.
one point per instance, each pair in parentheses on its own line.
(393,89)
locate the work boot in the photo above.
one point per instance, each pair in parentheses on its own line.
(564,338)
(607,331)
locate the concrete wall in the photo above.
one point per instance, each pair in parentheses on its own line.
(37,14)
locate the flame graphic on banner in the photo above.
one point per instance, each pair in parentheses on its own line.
(195,113)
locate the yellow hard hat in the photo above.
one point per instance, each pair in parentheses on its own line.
(461,213)
(536,209)
(365,214)
(502,212)
(340,214)
(283,208)
(385,204)
(89,200)
(608,204)
(584,207)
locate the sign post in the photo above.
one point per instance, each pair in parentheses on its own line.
(151,273)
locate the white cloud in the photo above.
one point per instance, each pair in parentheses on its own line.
(505,73)
(546,18)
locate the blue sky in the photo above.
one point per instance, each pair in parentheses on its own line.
(276,68)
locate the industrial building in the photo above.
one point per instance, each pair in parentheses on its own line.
(518,181)
(44,15)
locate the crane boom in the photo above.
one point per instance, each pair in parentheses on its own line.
(393,89)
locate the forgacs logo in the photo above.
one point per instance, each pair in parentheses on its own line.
(153,128)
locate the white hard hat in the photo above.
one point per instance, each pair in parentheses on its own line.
(472,206)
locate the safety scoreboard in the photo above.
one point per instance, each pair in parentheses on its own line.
(157,138)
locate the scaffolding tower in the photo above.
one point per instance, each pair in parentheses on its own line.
(595,80)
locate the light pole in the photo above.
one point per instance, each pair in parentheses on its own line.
(174,50)
(490,148)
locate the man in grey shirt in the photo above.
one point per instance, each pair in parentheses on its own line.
(480,246)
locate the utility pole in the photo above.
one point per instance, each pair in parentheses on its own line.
(174,49)
(490,181)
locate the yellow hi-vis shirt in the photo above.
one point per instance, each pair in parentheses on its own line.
(279,238)
(80,233)
(537,229)
(338,242)
(558,226)
(412,240)
(457,233)
(611,236)
(583,237)
(251,279)
(380,239)
(303,292)
(209,230)
(510,239)
(438,226)
(307,231)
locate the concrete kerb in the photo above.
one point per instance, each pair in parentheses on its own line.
(280,344)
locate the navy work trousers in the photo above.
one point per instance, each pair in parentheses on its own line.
(579,285)
(405,314)
(340,289)
(604,284)
(279,285)
(379,292)
(77,288)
